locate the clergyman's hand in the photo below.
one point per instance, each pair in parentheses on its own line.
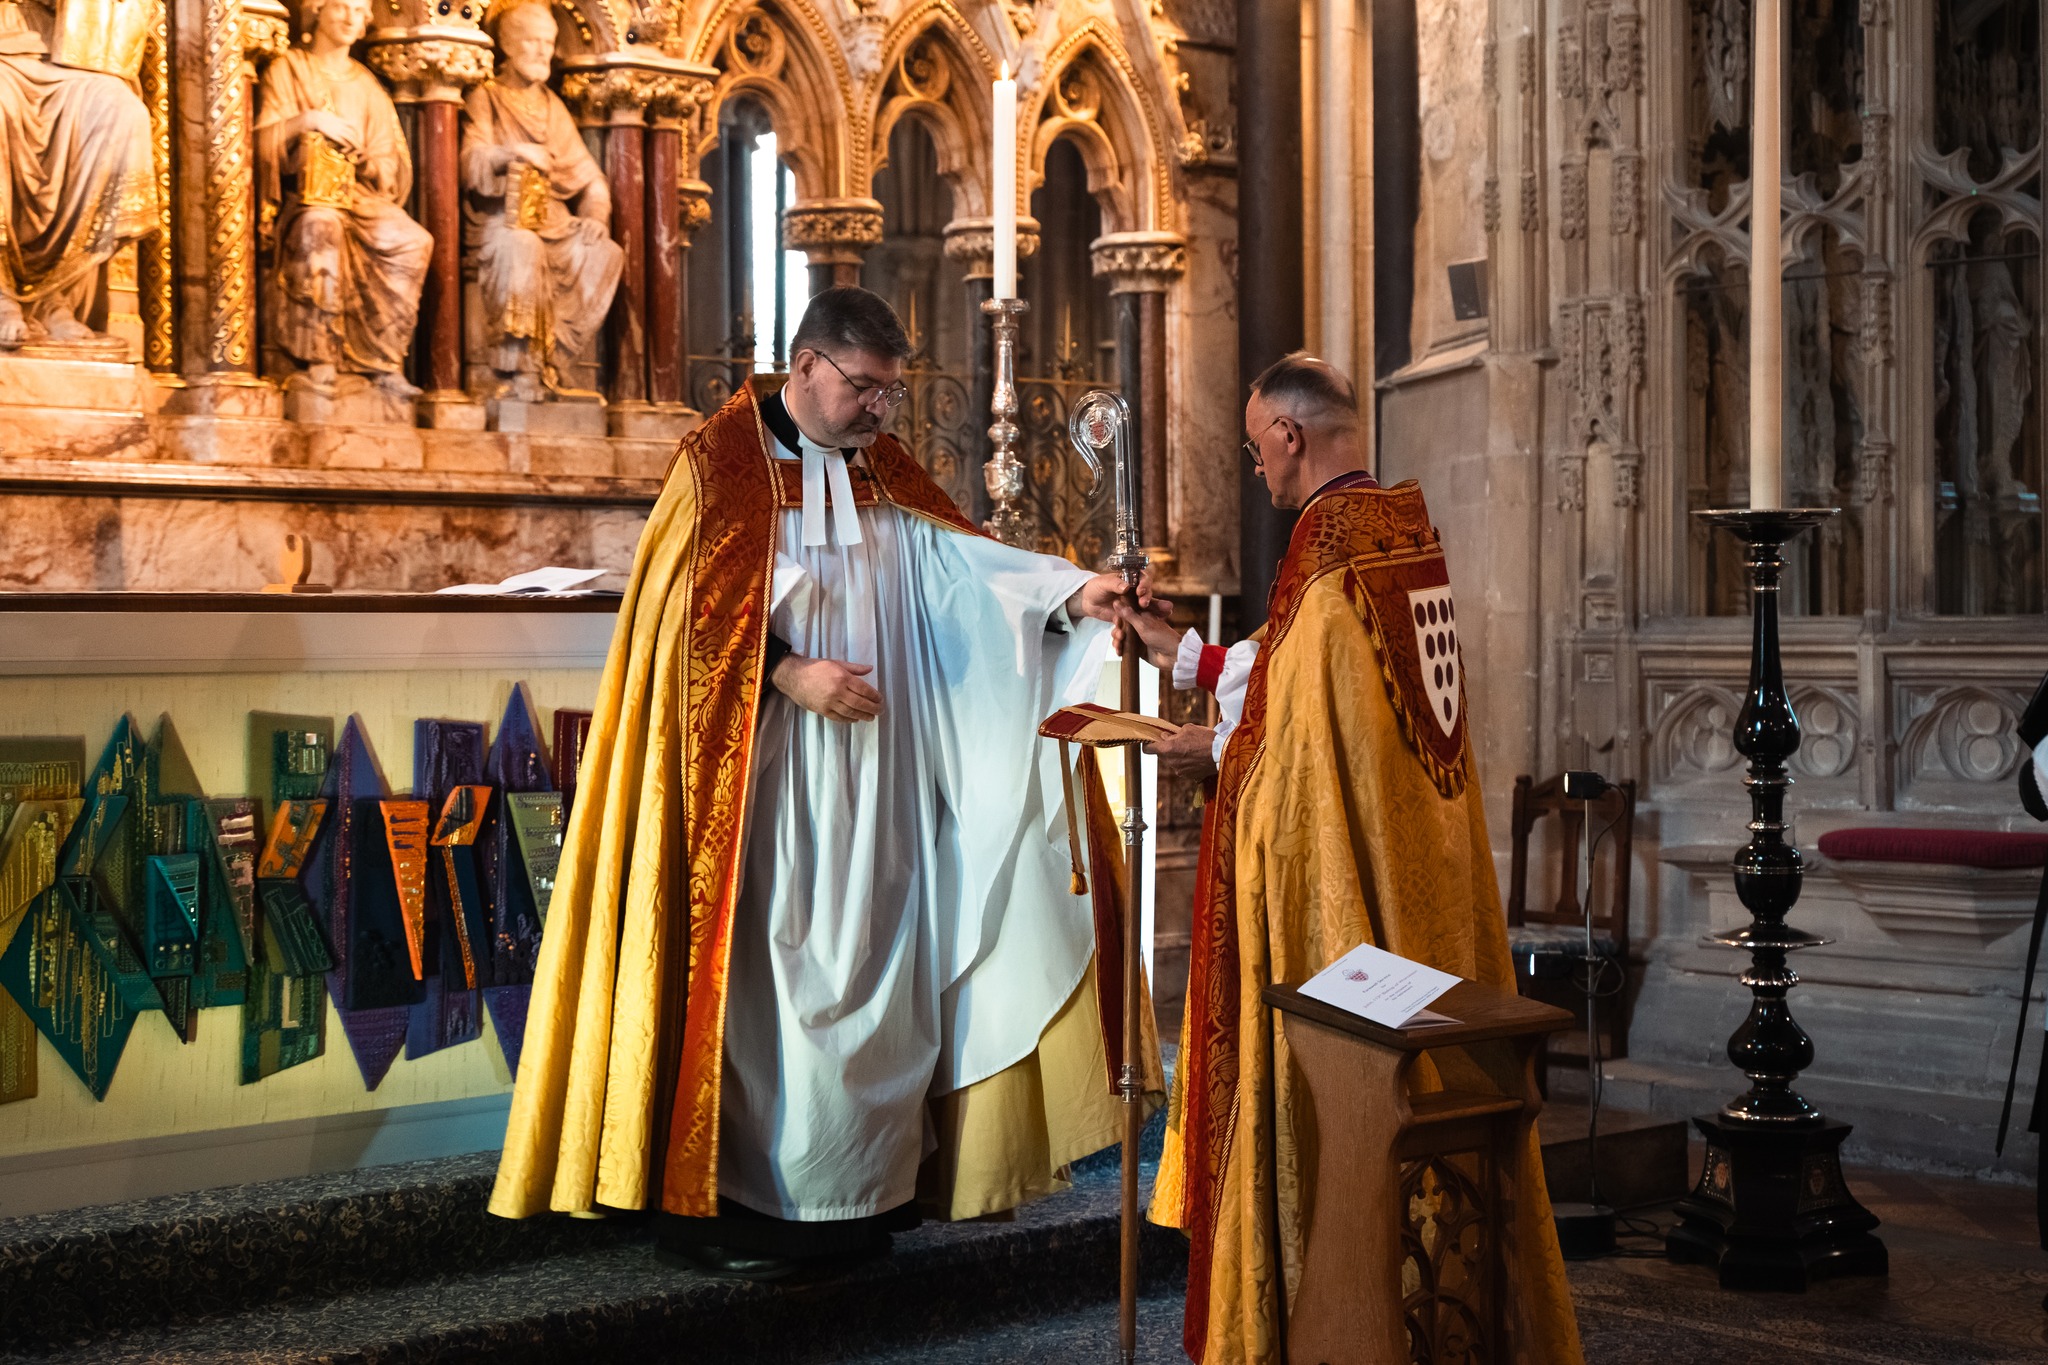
(1160,641)
(1099,596)
(1186,753)
(828,688)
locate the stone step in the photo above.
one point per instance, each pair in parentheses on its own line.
(179,1262)
(1058,1255)
(84,1273)
(1642,1158)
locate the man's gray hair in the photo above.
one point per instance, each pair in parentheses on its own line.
(850,318)
(1310,390)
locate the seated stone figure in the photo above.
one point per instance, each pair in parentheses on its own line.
(539,215)
(348,263)
(80,178)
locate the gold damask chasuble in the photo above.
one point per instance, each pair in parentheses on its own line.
(1345,813)
(617,1098)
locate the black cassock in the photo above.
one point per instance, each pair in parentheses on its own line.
(2033,728)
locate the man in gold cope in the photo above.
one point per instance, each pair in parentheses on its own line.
(540,213)
(1347,811)
(349,264)
(814,958)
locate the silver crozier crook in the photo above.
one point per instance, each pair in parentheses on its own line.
(1101,420)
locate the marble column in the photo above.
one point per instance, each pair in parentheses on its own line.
(643,102)
(671,112)
(667,116)
(834,235)
(1270,306)
(1141,267)
(613,95)
(429,70)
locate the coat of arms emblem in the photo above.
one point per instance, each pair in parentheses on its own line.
(1436,647)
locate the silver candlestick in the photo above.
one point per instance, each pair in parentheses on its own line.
(1004,472)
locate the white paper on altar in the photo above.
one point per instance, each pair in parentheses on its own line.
(1374,984)
(534,582)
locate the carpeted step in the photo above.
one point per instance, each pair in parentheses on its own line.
(1057,1255)
(66,1277)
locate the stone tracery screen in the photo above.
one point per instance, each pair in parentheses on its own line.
(1914,365)
(1827,201)
(1983,216)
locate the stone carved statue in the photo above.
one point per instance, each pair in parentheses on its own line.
(539,214)
(80,178)
(348,263)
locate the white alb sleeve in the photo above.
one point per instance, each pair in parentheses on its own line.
(1230,690)
(1187,663)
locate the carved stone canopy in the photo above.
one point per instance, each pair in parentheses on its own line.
(972,242)
(1139,262)
(433,63)
(832,231)
(266,29)
(635,88)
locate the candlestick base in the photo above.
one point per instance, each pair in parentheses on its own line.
(1771,1209)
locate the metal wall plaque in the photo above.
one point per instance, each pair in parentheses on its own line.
(171,924)
(537,827)
(231,821)
(290,768)
(62,984)
(405,836)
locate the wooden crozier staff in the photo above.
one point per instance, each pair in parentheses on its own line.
(1101,420)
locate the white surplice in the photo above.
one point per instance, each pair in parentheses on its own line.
(905,926)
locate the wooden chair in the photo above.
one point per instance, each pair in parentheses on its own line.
(1549,943)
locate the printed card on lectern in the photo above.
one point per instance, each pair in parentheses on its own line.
(1373,984)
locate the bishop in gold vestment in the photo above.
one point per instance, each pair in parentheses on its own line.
(1347,810)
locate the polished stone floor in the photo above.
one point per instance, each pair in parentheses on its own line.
(1965,1288)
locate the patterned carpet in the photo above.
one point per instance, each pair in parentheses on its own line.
(1949,1300)
(400,1265)
(1965,1288)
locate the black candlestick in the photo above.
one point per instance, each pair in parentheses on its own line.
(1771,1209)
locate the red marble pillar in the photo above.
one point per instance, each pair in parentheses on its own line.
(624,160)
(439,334)
(664,254)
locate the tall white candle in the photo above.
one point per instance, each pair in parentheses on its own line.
(1003,173)
(1766,271)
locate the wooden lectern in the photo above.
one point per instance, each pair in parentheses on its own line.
(1408,1201)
